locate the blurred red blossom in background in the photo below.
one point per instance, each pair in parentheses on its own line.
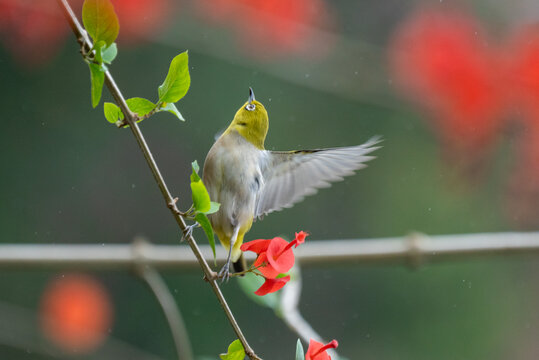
(76,313)
(441,60)
(271,29)
(141,18)
(522,198)
(33,31)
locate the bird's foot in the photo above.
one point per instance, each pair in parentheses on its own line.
(188,231)
(224,273)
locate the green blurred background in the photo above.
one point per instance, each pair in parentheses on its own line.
(70,177)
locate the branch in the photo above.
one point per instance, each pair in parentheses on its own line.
(130,118)
(172,313)
(412,250)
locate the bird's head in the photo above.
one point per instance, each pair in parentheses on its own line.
(251,121)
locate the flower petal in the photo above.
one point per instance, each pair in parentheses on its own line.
(256,246)
(272,285)
(281,261)
(300,237)
(317,350)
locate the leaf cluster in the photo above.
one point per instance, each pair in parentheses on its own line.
(101,23)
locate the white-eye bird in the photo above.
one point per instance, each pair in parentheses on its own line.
(249,181)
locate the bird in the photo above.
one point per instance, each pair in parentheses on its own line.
(250,181)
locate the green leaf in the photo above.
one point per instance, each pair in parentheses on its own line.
(100,20)
(201,198)
(196,168)
(235,351)
(171,108)
(140,106)
(99,46)
(214,207)
(109,53)
(98,78)
(250,283)
(300,354)
(202,219)
(177,81)
(112,112)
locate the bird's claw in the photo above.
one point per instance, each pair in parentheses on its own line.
(188,231)
(224,273)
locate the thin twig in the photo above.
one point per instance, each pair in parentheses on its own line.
(164,297)
(80,33)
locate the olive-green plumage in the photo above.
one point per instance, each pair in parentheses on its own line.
(249,181)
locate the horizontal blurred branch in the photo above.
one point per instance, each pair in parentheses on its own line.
(413,250)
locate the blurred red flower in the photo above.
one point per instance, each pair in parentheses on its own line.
(140,19)
(33,31)
(441,60)
(76,313)
(272,28)
(317,350)
(523,54)
(522,197)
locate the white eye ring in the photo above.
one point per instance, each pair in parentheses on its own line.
(250,107)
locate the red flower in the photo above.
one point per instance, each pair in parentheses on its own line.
(275,255)
(33,31)
(441,60)
(272,28)
(141,19)
(522,195)
(524,70)
(317,351)
(76,313)
(272,285)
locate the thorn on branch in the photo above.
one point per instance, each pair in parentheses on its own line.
(172,206)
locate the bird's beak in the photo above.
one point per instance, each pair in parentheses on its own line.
(251,96)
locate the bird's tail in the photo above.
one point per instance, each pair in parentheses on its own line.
(240,265)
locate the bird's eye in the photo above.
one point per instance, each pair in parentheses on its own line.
(250,107)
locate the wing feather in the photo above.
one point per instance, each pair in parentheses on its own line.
(290,176)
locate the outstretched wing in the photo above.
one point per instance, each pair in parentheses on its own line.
(290,176)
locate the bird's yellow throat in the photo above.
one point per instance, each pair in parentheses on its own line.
(251,121)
